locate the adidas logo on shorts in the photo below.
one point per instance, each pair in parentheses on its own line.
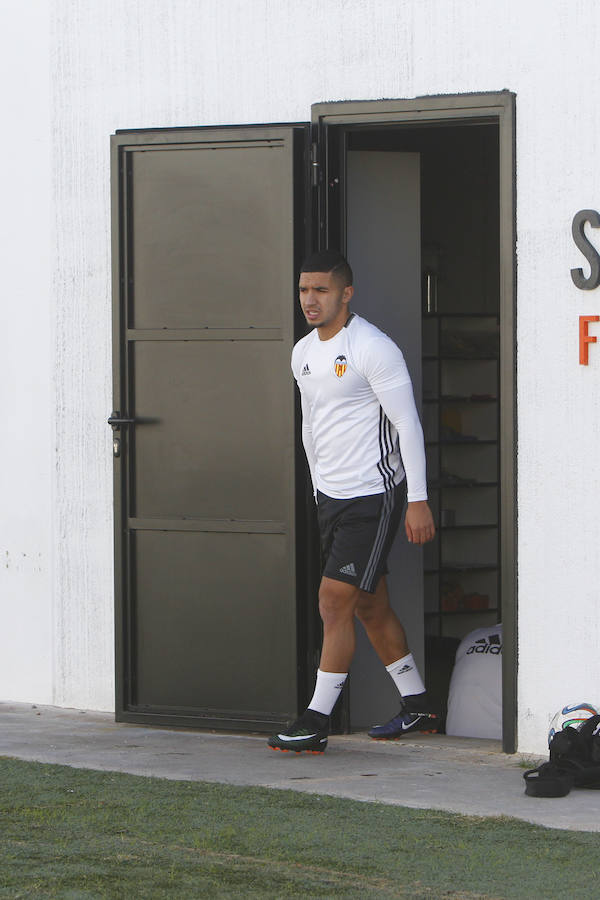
(348,570)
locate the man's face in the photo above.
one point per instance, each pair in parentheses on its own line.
(324,301)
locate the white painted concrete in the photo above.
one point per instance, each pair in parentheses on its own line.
(26,359)
(109,65)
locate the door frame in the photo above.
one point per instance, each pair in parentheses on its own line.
(493,107)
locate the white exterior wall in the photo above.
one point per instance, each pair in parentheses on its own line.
(152,63)
(26,359)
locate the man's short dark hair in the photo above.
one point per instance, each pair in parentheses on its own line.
(329,261)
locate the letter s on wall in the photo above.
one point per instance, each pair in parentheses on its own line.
(588,250)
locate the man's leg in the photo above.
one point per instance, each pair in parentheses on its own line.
(388,639)
(355,538)
(382,625)
(337,605)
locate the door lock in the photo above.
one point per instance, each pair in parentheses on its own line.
(115,421)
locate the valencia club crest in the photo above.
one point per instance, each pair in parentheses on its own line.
(340,365)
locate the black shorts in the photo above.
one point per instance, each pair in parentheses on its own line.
(356,535)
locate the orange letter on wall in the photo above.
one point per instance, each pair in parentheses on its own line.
(584,338)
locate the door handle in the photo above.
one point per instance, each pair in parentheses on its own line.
(116,420)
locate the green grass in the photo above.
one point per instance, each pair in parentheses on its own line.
(73,833)
(531,762)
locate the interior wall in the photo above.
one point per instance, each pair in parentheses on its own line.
(460,207)
(460,188)
(383,247)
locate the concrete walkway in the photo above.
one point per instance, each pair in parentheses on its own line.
(461,775)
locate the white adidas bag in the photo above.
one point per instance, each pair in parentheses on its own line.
(475,694)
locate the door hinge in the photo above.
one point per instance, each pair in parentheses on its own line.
(314,163)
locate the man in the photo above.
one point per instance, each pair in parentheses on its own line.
(361,433)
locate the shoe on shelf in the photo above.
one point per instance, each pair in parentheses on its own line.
(413,717)
(307,734)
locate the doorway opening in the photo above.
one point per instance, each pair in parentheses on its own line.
(418,209)
(423,185)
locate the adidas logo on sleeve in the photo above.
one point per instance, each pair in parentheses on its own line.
(348,570)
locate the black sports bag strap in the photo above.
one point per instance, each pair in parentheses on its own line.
(548,780)
(590,734)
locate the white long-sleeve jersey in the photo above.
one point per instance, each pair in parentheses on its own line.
(360,426)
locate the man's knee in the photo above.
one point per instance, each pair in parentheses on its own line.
(370,609)
(337,600)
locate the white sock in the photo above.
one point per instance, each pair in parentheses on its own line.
(327,689)
(405,675)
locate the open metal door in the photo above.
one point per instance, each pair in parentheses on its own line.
(205,239)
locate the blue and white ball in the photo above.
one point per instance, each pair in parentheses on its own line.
(573,715)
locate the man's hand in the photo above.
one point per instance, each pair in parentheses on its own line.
(419,522)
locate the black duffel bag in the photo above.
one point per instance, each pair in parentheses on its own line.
(574,762)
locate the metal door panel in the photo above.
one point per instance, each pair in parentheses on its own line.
(211,603)
(205,223)
(218,437)
(200,262)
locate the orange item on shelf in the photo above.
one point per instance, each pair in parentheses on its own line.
(476,601)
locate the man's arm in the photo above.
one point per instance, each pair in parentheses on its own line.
(307,440)
(419,524)
(399,406)
(386,371)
